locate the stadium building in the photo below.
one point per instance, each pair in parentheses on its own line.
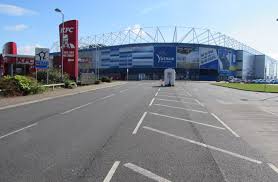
(195,54)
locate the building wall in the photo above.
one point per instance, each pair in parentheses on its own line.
(248,66)
(259,66)
(191,61)
(271,68)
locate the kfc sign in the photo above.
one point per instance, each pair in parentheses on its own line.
(69,47)
(67,30)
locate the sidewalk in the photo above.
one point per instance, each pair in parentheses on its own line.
(9,102)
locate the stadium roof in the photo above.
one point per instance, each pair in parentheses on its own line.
(162,34)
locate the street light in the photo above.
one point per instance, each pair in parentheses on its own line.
(126,68)
(62,46)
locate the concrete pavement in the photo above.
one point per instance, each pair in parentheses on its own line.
(134,132)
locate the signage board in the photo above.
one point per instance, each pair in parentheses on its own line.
(42,58)
(164,57)
(69,47)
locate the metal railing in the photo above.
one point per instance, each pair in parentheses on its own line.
(54,85)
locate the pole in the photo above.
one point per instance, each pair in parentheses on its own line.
(36,74)
(96,63)
(62,50)
(47,77)
(127,69)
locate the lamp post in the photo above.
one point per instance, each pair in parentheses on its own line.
(62,46)
(126,68)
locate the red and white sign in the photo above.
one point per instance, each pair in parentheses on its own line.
(69,47)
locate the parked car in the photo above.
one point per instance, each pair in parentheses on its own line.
(235,80)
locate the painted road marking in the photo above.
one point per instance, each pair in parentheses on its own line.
(139,123)
(156,94)
(151,102)
(111,171)
(16,131)
(183,91)
(158,89)
(223,102)
(269,112)
(189,94)
(204,145)
(273,167)
(55,97)
(178,101)
(79,107)
(224,124)
(171,93)
(122,91)
(111,95)
(201,104)
(190,121)
(145,172)
(193,110)
(175,97)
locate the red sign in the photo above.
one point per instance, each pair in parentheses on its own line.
(24,61)
(69,47)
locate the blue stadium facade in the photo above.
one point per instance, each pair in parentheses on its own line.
(191,61)
(195,54)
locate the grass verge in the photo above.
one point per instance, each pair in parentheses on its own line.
(250,87)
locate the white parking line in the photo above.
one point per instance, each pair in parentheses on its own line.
(201,104)
(269,112)
(156,94)
(139,123)
(158,89)
(190,121)
(122,91)
(193,110)
(189,94)
(178,101)
(112,171)
(171,94)
(151,102)
(204,145)
(79,107)
(273,167)
(224,124)
(175,97)
(16,131)
(145,172)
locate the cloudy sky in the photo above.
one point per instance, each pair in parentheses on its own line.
(33,23)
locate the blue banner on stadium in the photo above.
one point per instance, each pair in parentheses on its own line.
(164,57)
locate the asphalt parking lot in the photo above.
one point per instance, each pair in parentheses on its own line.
(143,132)
(178,139)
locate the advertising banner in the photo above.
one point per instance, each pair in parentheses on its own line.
(208,58)
(188,57)
(227,58)
(164,57)
(41,58)
(69,47)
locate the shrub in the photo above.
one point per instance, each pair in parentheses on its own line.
(70,84)
(106,79)
(97,82)
(54,76)
(20,85)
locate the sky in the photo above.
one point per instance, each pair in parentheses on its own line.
(33,23)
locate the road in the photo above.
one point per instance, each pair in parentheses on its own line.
(141,132)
